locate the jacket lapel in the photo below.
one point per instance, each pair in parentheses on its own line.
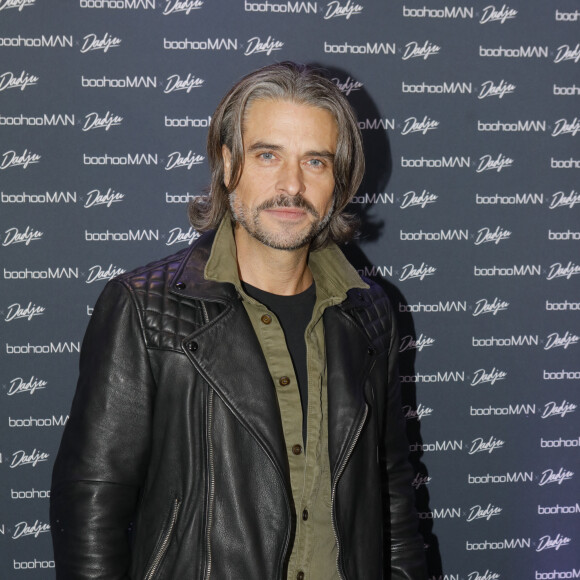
(229,357)
(347,351)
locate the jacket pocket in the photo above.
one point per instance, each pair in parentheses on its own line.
(163,542)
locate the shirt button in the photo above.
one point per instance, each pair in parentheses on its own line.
(297,449)
(305,515)
(266,319)
(284,381)
(300,575)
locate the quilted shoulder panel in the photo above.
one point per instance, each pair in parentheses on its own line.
(166,318)
(373,311)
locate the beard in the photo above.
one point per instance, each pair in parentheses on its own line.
(250,220)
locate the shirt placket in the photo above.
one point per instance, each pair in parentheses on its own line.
(310,503)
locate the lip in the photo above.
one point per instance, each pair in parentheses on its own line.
(286,213)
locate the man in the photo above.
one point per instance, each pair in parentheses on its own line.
(238,407)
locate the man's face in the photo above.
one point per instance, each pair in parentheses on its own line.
(285,193)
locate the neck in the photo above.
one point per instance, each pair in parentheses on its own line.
(283,272)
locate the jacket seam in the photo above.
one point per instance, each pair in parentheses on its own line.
(139,313)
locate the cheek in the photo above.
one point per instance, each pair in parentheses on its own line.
(253,186)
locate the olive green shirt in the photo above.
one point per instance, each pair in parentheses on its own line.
(314,552)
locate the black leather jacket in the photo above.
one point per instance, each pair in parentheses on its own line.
(174,434)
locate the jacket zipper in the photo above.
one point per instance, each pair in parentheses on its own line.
(211,493)
(335,483)
(165,543)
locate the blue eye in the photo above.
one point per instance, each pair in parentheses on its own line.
(316,163)
(267,156)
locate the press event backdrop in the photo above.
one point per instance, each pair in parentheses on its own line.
(470,208)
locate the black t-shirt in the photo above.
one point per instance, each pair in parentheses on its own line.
(294,313)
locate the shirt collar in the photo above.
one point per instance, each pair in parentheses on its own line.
(333,274)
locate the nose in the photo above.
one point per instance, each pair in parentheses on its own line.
(290,179)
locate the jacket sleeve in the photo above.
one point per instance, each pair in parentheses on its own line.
(407,554)
(103,456)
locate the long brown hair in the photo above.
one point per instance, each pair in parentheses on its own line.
(282,81)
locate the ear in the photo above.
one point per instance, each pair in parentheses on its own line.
(227,159)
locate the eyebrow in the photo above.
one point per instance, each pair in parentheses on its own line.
(325,154)
(263,145)
(258,145)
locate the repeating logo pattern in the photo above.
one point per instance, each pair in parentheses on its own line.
(470,210)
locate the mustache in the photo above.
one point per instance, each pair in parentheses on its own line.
(284,200)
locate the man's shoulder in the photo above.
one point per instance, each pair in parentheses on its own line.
(161,272)
(157,272)
(166,315)
(374,298)
(372,308)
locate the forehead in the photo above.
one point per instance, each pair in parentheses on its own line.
(289,119)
